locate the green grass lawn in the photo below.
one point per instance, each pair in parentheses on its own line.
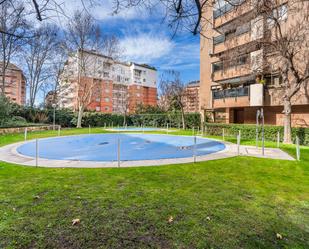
(237,202)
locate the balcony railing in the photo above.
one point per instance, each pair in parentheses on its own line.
(231,93)
(226,8)
(231,10)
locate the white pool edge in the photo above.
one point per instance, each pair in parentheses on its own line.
(10,154)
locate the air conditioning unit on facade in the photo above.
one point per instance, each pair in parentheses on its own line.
(257,28)
(256,58)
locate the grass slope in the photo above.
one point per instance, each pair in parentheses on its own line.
(238,202)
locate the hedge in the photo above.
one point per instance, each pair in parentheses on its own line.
(101,119)
(161,120)
(154,120)
(249,131)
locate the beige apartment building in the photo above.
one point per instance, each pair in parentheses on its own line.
(15,84)
(191,97)
(233,62)
(117,87)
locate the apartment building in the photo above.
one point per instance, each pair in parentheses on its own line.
(15,84)
(50,99)
(191,97)
(111,86)
(236,71)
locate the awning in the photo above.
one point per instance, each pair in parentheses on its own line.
(238,80)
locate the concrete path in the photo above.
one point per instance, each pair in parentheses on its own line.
(9,154)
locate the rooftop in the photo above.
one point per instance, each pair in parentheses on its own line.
(11,66)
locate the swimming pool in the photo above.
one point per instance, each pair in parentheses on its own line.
(133,147)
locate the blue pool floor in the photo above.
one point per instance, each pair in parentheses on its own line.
(104,147)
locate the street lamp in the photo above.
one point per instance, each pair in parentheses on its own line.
(263,138)
(54,115)
(260,115)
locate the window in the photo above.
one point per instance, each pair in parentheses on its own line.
(218,39)
(106,99)
(242,59)
(107,90)
(118,78)
(138,95)
(106,74)
(98,108)
(106,108)
(223,7)
(137,73)
(274,80)
(283,12)
(97,99)
(243,29)
(106,65)
(280,14)
(144,80)
(217,66)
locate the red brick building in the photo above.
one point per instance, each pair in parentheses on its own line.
(191,97)
(15,84)
(116,87)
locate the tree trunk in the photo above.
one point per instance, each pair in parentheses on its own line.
(3,80)
(124,119)
(183,119)
(287,137)
(80,116)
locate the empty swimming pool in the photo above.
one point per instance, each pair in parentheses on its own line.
(136,129)
(133,147)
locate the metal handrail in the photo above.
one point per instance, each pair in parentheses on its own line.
(231,93)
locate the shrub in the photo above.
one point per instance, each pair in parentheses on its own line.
(63,117)
(5,110)
(162,119)
(249,131)
(100,119)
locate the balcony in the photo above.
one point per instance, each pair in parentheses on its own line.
(230,11)
(236,41)
(234,97)
(232,72)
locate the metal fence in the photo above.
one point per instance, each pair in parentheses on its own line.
(231,93)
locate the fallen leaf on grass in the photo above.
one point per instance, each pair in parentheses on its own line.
(36,197)
(279,236)
(75,222)
(170,219)
(207,218)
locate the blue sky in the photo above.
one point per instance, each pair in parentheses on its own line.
(145,38)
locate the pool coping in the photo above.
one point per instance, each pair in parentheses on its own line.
(10,154)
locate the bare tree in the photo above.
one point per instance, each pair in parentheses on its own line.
(13,27)
(86,44)
(287,45)
(58,63)
(280,35)
(38,55)
(42,9)
(173,90)
(121,101)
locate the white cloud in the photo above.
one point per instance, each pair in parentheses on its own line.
(146,47)
(185,56)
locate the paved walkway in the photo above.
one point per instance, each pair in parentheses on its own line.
(9,154)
